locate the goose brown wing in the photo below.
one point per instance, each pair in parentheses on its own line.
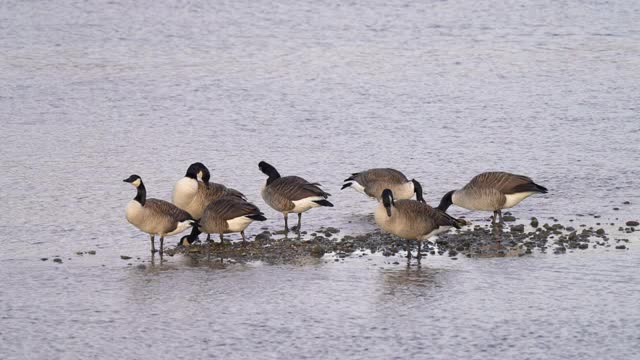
(375,181)
(215,191)
(227,208)
(235,193)
(504,182)
(420,212)
(294,188)
(167,210)
(386,175)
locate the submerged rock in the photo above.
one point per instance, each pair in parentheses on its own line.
(534,222)
(317,251)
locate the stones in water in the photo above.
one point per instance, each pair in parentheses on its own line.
(317,251)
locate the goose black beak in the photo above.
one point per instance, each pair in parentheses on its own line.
(388,208)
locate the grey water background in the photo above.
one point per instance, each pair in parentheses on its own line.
(91,92)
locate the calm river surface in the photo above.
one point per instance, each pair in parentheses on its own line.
(91,92)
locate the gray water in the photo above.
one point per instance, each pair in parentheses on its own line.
(442,90)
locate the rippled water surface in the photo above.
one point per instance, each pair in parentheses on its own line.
(93,92)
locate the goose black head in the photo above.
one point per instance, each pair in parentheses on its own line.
(387,200)
(187,240)
(193,170)
(446,201)
(191,238)
(141,195)
(135,180)
(205,174)
(268,170)
(417,188)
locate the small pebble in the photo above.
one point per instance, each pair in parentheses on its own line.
(57,260)
(125,257)
(621,247)
(632,223)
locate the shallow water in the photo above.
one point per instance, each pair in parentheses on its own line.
(442,90)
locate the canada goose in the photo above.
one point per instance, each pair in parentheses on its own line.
(373,181)
(291,194)
(411,219)
(193,196)
(155,217)
(492,191)
(226,215)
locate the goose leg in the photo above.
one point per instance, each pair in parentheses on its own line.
(408,250)
(244,240)
(419,246)
(299,221)
(495,215)
(221,239)
(161,245)
(500,215)
(153,245)
(286,225)
(208,237)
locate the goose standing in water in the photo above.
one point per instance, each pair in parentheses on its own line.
(411,219)
(373,181)
(193,196)
(155,217)
(227,215)
(291,194)
(492,191)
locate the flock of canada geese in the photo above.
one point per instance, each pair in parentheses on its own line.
(212,208)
